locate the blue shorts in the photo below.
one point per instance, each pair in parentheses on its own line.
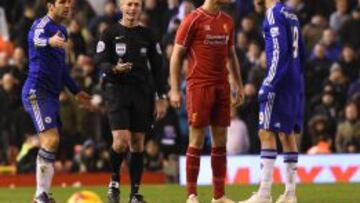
(282,113)
(43,109)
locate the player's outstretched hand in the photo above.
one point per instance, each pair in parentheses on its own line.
(58,41)
(161,106)
(238,97)
(175,98)
(84,99)
(123,67)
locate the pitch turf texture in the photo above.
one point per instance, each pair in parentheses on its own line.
(323,193)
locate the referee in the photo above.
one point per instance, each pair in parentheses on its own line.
(124,53)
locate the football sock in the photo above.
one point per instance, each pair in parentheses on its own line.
(218,165)
(290,161)
(192,169)
(136,166)
(116,160)
(268,157)
(44,170)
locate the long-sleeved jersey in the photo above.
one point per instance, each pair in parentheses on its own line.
(135,45)
(285,52)
(48,71)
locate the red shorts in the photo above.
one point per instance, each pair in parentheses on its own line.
(208,105)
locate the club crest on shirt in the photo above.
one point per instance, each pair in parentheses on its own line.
(226,29)
(120,49)
(207,28)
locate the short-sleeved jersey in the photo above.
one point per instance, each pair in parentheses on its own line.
(48,71)
(285,52)
(207,38)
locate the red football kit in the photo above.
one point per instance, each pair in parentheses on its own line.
(207,38)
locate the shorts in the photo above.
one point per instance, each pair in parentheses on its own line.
(209,105)
(282,113)
(129,107)
(42,108)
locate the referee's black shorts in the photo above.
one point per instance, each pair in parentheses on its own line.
(129,107)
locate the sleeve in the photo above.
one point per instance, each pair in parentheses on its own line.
(40,38)
(69,82)
(186,31)
(276,52)
(231,34)
(157,70)
(103,58)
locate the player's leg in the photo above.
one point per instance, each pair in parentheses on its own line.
(141,111)
(43,110)
(136,165)
(49,142)
(268,120)
(290,150)
(220,120)
(193,153)
(198,110)
(119,121)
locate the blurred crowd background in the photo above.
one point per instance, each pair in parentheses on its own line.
(331,29)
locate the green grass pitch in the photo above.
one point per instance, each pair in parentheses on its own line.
(323,193)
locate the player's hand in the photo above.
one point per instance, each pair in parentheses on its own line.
(175,98)
(123,67)
(237,96)
(161,106)
(84,99)
(57,41)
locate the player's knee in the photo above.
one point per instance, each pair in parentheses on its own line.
(119,144)
(50,142)
(266,136)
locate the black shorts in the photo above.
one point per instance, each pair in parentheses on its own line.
(129,107)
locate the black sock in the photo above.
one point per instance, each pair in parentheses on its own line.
(116,160)
(136,165)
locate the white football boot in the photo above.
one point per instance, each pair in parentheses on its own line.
(192,199)
(256,198)
(286,199)
(222,200)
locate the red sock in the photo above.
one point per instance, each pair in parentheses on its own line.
(192,169)
(218,164)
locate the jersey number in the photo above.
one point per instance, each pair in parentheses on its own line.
(295,32)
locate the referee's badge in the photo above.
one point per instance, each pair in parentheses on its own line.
(120,49)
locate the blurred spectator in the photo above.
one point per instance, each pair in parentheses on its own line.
(185,8)
(250,30)
(332,47)
(110,16)
(19,33)
(77,38)
(258,72)
(321,147)
(316,70)
(19,61)
(328,109)
(319,130)
(237,135)
(86,160)
(350,32)
(301,9)
(350,63)
(340,16)
(153,157)
(348,132)
(313,31)
(169,13)
(340,84)
(26,159)
(354,90)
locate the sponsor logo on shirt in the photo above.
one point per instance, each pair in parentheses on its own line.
(216,39)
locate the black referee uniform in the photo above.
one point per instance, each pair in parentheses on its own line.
(130,96)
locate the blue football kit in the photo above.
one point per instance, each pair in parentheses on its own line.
(48,75)
(281,95)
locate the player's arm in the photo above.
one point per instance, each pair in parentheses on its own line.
(103,58)
(234,71)
(155,60)
(183,39)
(278,50)
(41,38)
